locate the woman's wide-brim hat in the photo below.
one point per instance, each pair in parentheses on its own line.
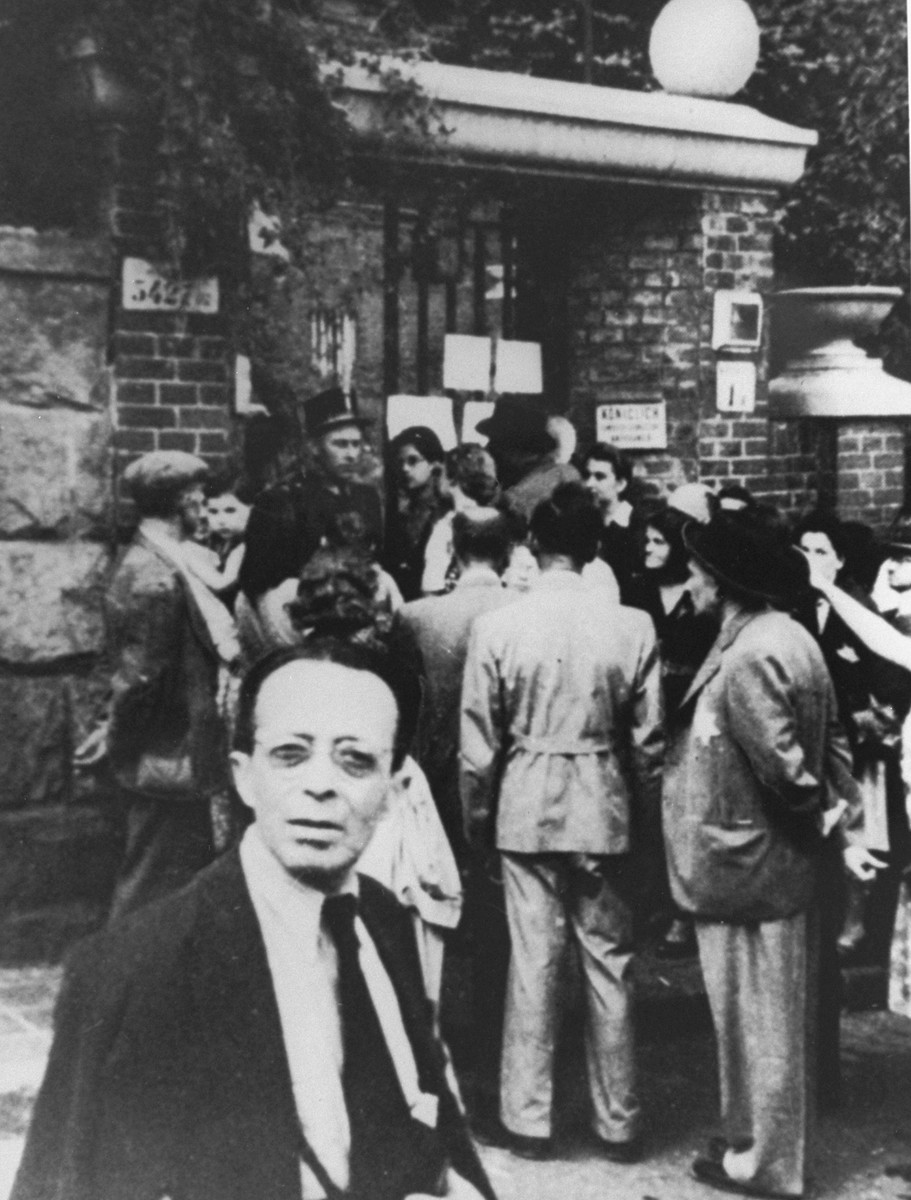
(331,409)
(748,558)
(519,422)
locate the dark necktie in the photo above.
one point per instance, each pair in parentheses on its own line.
(378,1115)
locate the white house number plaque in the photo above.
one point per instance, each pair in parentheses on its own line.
(146,289)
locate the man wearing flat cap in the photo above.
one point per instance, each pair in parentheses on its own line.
(163,737)
(759,772)
(328,506)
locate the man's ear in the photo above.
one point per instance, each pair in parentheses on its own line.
(240,771)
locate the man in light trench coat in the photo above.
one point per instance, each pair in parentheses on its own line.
(759,775)
(561,747)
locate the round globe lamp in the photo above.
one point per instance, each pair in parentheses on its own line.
(705,48)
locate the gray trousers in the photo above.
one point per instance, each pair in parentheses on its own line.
(549,899)
(760,984)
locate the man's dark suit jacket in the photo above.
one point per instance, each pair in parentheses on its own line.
(168,1075)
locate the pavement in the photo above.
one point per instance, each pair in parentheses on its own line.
(864,1146)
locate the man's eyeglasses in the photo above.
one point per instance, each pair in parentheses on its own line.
(290,759)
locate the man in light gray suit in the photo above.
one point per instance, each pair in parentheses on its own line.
(562,748)
(438,626)
(759,773)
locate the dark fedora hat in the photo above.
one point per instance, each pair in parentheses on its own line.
(898,535)
(748,558)
(519,422)
(331,408)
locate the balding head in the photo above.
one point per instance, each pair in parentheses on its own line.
(482,536)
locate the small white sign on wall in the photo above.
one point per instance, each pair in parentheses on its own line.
(633,426)
(735,385)
(434,412)
(466,363)
(146,289)
(474,412)
(518,368)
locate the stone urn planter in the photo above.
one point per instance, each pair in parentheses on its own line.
(826,372)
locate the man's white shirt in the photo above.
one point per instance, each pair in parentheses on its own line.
(304,969)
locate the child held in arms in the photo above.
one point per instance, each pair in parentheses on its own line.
(217,556)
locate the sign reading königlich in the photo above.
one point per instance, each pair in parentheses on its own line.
(640,426)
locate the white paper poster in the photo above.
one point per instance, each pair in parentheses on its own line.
(474,411)
(434,412)
(466,363)
(518,368)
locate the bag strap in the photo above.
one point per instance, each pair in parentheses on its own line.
(308,1154)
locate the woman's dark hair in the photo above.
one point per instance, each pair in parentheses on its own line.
(669,523)
(372,657)
(474,472)
(826,523)
(336,594)
(568,523)
(424,440)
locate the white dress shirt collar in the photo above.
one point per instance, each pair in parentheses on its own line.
(295,904)
(478,575)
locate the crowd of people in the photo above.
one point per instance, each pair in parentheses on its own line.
(531,687)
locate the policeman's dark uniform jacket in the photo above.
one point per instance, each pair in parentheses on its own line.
(293,518)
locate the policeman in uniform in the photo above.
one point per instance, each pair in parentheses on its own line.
(327,506)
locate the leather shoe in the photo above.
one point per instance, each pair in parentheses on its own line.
(495,1133)
(712,1172)
(535,1148)
(620,1152)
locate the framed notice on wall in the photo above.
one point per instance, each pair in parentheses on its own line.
(633,426)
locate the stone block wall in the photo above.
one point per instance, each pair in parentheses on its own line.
(55,526)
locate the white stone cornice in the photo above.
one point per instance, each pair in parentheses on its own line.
(612,133)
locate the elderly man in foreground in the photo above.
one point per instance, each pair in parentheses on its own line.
(263,1034)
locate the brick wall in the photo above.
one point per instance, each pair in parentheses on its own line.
(871,470)
(641,311)
(636,316)
(171,384)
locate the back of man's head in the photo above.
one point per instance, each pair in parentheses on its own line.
(482,535)
(568,524)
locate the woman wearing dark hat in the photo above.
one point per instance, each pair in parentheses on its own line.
(416,464)
(756,767)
